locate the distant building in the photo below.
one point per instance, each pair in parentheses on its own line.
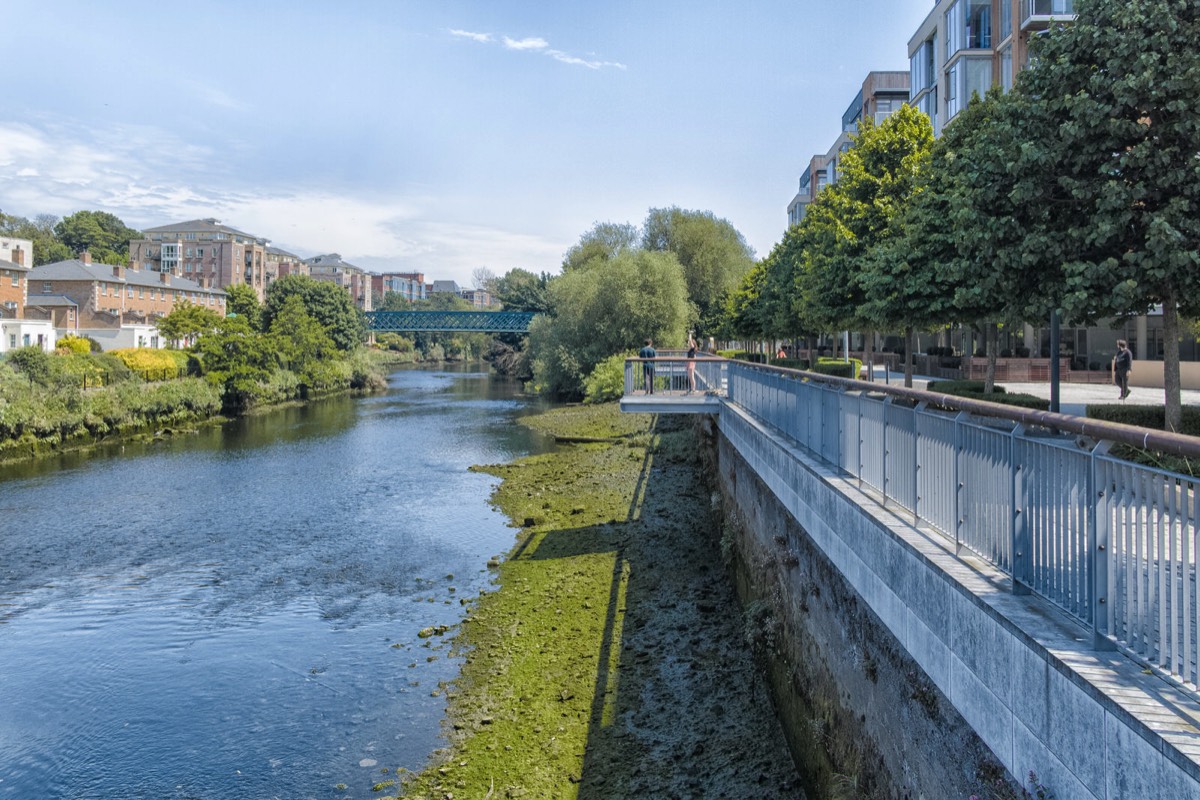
(409,285)
(204,251)
(480,298)
(446,287)
(882,93)
(355,280)
(16,328)
(281,263)
(115,305)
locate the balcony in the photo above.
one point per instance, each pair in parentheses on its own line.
(1037,15)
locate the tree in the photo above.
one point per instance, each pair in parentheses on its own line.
(714,255)
(302,344)
(100,233)
(521,290)
(327,303)
(609,307)
(1115,131)
(187,321)
(237,359)
(47,249)
(851,218)
(483,278)
(604,242)
(242,301)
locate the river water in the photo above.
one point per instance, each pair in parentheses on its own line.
(234,614)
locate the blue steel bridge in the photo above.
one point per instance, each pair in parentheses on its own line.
(452,321)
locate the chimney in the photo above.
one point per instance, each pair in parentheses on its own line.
(18,257)
(85,257)
(165,277)
(118,270)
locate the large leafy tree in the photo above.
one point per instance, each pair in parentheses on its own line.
(603,242)
(301,343)
(327,303)
(1116,133)
(521,290)
(714,255)
(858,214)
(47,249)
(607,308)
(102,234)
(242,301)
(187,321)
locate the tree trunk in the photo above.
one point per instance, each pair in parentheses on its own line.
(869,354)
(1171,381)
(992,334)
(910,339)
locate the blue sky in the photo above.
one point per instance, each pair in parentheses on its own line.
(435,136)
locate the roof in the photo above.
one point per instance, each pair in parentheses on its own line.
(332,261)
(208,225)
(276,251)
(76,270)
(50,300)
(12,265)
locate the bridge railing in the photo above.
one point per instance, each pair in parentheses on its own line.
(674,374)
(1039,495)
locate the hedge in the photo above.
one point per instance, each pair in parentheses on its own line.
(1146,416)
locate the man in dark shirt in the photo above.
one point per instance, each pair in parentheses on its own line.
(1122,366)
(648,366)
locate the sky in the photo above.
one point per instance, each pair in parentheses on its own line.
(433,135)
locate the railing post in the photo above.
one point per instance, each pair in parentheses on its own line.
(916,462)
(883,450)
(1021,546)
(958,481)
(1099,552)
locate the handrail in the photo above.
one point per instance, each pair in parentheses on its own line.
(1164,441)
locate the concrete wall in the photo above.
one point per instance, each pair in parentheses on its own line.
(916,673)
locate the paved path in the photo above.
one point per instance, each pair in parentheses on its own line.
(1074,398)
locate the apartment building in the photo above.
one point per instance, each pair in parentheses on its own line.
(409,285)
(203,251)
(333,268)
(281,262)
(445,286)
(479,298)
(968,46)
(115,305)
(880,95)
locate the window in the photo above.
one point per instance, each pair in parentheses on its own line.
(16,278)
(968,76)
(1006,68)
(199,252)
(968,26)
(922,71)
(141,293)
(12,341)
(47,287)
(1005,20)
(129,291)
(191,237)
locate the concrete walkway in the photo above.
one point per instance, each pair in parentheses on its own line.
(1074,398)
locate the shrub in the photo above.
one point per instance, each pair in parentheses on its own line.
(838,368)
(140,359)
(791,363)
(32,363)
(1146,416)
(962,387)
(973,390)
(607,380)
(74,344)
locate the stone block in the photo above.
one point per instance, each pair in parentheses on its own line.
(1031,755)
(984,646)
(930,651)
(990,717)
(1135,767)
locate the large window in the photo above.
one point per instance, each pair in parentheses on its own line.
(1005,21)
(968,26)
(922,71)
(1006,68)
(968,76)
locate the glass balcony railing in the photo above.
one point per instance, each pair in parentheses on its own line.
(1038,13)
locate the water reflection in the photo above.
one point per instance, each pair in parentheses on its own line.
(234,613)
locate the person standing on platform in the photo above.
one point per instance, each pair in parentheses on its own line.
(691,364)
(648,366)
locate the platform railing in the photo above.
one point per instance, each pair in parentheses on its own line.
(1039,495)
(674,375)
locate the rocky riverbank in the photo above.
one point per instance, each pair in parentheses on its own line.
(610,661)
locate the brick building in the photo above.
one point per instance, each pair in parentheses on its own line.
(355,280)
(203,251)
(409,285)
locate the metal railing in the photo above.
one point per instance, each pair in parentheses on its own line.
(1111,542)
(673,375)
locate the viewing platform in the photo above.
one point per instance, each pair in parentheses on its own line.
(675,384)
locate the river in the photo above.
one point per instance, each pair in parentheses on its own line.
(234,614)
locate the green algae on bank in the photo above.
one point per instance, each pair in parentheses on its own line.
(609,662)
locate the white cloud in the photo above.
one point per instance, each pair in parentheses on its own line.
(530,43)
(218,97)
(476,37)
(148,177)
(536,44)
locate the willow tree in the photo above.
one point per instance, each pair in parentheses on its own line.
(1117,132)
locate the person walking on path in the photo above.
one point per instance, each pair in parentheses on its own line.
(1122,365)
(691,364)
(648,366)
